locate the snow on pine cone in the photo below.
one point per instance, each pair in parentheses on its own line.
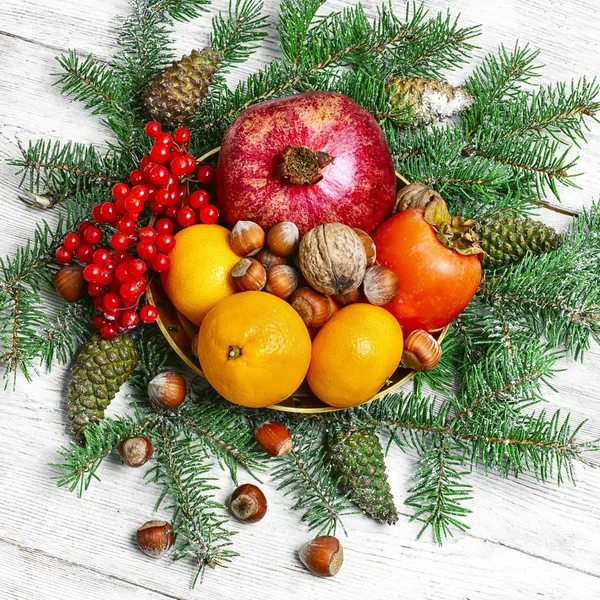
(430,100)
(357,457)
(101,368)
(172,98)
(506,239)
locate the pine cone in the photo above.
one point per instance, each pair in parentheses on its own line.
(101,368)
(357,457)
(172,98)
(430,100)
(507,239)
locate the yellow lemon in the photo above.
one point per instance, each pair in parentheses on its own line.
(254,349)
(199,273)
(353,355)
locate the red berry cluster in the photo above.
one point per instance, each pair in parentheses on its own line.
(117,272)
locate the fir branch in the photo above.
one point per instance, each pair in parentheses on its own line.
(440,492)
(533,161)
(409,418)
(181,469)
(144,37)
(498,77)
(559,110)
(534,443)
(558,293)
(444,143)
(69,169)
(81,462)
(222,430)
(517,384)
(19,324)
(439,45)
(93,82)
(22,313)
(294,21)
(337,39)
(237,35)
(179,10)
(444,377)
(486,203)
(59,333)
(154,354)
(453,177)
(306,473)
(32,264)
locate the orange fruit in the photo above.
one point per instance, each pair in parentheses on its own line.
(199,273)
(254,349)
(353,355)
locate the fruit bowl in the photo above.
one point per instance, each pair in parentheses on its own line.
(180,332)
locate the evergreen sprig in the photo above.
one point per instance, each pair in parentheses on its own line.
(564,307)
(80,462)
(181,469)
(28,331)
(306,473)
(145,39)
(559,109)
(93,82)
(211,421)
(59,333)
(154,355)
(500,76)
(238,33)
(440,45)
(338,39)
(67,170)
(439,492)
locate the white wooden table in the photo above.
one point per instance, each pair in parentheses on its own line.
(527,540)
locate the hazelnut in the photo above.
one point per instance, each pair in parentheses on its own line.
(322,556)
(155,537)
(332,259)
(248,503)
(282,281)
(247,238)
(369,246)
(350,297)
(167,389)
(248,275)
(267,259)
(274,438)
(422,352)
(70,284)
(283,238)
(135,451)
(313,308)
(380,285)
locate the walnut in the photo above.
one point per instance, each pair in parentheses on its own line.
(332,259)
(414,195)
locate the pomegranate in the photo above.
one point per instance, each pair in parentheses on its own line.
(311,158)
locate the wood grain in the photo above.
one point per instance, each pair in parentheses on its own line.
(526,540)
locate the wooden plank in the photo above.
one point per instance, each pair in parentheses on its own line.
(526,539)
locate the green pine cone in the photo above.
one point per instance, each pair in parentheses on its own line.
(100,370)
(506,239)
(357,457)
(172,98)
